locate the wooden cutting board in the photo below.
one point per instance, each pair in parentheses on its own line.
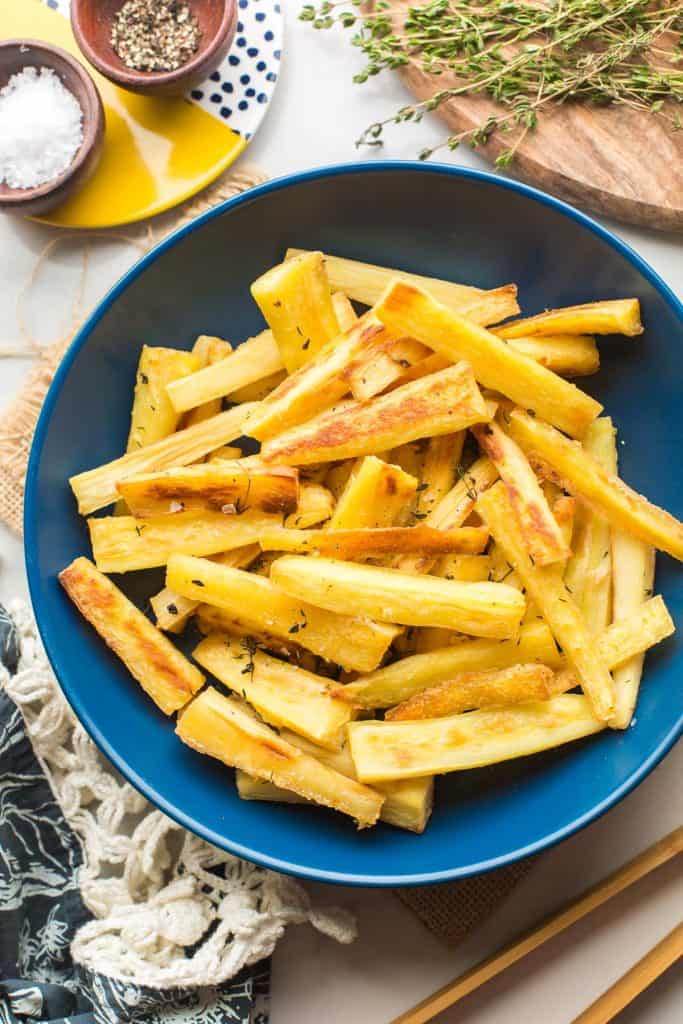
(612,161)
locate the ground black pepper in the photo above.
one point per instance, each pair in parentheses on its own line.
(155,35)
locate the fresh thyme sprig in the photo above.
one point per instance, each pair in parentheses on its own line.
(524,57)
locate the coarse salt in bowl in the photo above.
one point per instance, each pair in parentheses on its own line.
(51,126)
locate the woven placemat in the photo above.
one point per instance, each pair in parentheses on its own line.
(450,911)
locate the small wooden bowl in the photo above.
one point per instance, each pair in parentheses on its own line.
(17,54)
(91,21)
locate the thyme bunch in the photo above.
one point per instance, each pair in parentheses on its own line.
(524,57)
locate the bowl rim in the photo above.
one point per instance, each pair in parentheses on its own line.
(92,118)
(30,523)
(130,78)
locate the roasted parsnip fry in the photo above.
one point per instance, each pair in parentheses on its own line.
(401,750)
(344,311)
(226,487)
(413,313)
(407,803)
(542,535)
(208,351)
(439,470)
(439,404)
(617,316)
(96,488)
(162,671)
(224,728)
(596,599)
(634,634)
(454,508)
(388,595)
(153,417)
(211,619)
(316,385)
(355,643)
(251,361)
(357,545)
(516,684)
(398,682)
(284,695)
(467,569)
(295,299)
(383,362)
(124,544)
(374,496)
(172,611)
(633,573)
(547,590)
(605,493)
(364,282)
(570,355)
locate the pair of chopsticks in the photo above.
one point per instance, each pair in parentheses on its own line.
(658,960)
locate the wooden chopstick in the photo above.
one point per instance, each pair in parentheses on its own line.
(658,854)
(624,991)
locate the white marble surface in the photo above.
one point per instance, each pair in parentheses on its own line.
(315,118)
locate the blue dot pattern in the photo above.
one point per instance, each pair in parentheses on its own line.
(248,75)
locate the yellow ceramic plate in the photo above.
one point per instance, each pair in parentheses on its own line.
(159,151)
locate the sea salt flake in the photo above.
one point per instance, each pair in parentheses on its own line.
(41,128)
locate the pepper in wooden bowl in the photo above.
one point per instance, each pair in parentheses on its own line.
(157,47)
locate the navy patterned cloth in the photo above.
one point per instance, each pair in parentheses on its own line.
(41,909)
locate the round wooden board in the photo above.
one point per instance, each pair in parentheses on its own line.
(613,161)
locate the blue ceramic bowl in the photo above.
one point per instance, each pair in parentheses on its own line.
(436,220)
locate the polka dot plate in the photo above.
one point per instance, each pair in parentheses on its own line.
(160,151)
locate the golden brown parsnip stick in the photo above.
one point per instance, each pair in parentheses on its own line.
(208,351)
(374,496)
(607,494)
(359,544)
(407,803)
(364,282)
(401,750)
(254,359)
(295,299)
(356,643)
(317,385)
(515,684)
(440,404)
(162,671)
(542,535)
(547,590)
(570,355)
(616,316)
(227,487)
(173,611)
(596,599)
(410,312)
(124,544)
(382,363)
(285,695)
(225,728)
(96,488)
(632,582)
(388,595)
